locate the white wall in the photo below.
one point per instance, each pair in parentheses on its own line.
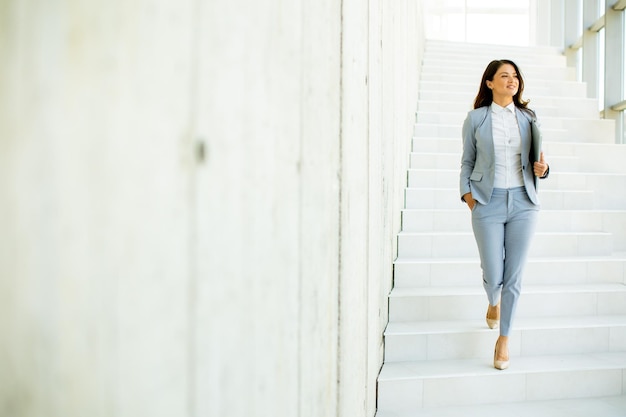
(137,280)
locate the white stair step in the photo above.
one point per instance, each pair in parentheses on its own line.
(597,158)
(442,198)
(453,130)
(482,58)
(611,154)
(543,106)
(436,160)
(410,386)
(589,112)
(451,272)
(445,174)
(467,93)
(442,46)
(565,171)
(449,198)
(440,71)
(463,244)
(469,303)
(434,144)
(574,407)
(459,220)
(447,48)
(603,186)
(478,63)
(450,130)
(536,88)
(553,129)
(454,106)
(438,117)
(467,62)
(608,190)
(598,127)
(567,180)
(586,108)
(438,340)
(589,127)
(435,177)
(602,158)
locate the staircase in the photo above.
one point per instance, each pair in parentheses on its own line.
(568,346)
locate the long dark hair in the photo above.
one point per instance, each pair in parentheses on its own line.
(485,95)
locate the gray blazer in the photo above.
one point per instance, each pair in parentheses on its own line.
(478,160)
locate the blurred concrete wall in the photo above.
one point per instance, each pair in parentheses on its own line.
(198,203)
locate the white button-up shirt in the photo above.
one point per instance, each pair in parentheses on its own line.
(507,143)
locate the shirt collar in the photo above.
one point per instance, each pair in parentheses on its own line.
(497,109)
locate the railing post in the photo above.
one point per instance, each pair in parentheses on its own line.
(557,23)
(540,22)
(614,66)
(573,20)
(590,48)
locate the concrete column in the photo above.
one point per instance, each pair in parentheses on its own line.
(319,193)
(95,211)
(379,168)
(354,207)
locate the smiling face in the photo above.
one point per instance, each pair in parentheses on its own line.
(504,85)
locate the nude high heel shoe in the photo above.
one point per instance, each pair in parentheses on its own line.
(493,323)
(499,364)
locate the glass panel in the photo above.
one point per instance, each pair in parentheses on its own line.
(445,20)
(580,14)
(482,21)
(497,29)
(447,27)
(519,5)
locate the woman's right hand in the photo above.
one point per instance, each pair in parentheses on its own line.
(469,200)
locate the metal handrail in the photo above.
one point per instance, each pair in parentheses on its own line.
(621,106)
(576,45)
(598,25)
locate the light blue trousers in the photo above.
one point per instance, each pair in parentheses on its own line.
(503,230)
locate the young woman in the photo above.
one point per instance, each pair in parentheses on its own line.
(497,183)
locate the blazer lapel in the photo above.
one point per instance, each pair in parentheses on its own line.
(524,123)
(486,134)
(531,139)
